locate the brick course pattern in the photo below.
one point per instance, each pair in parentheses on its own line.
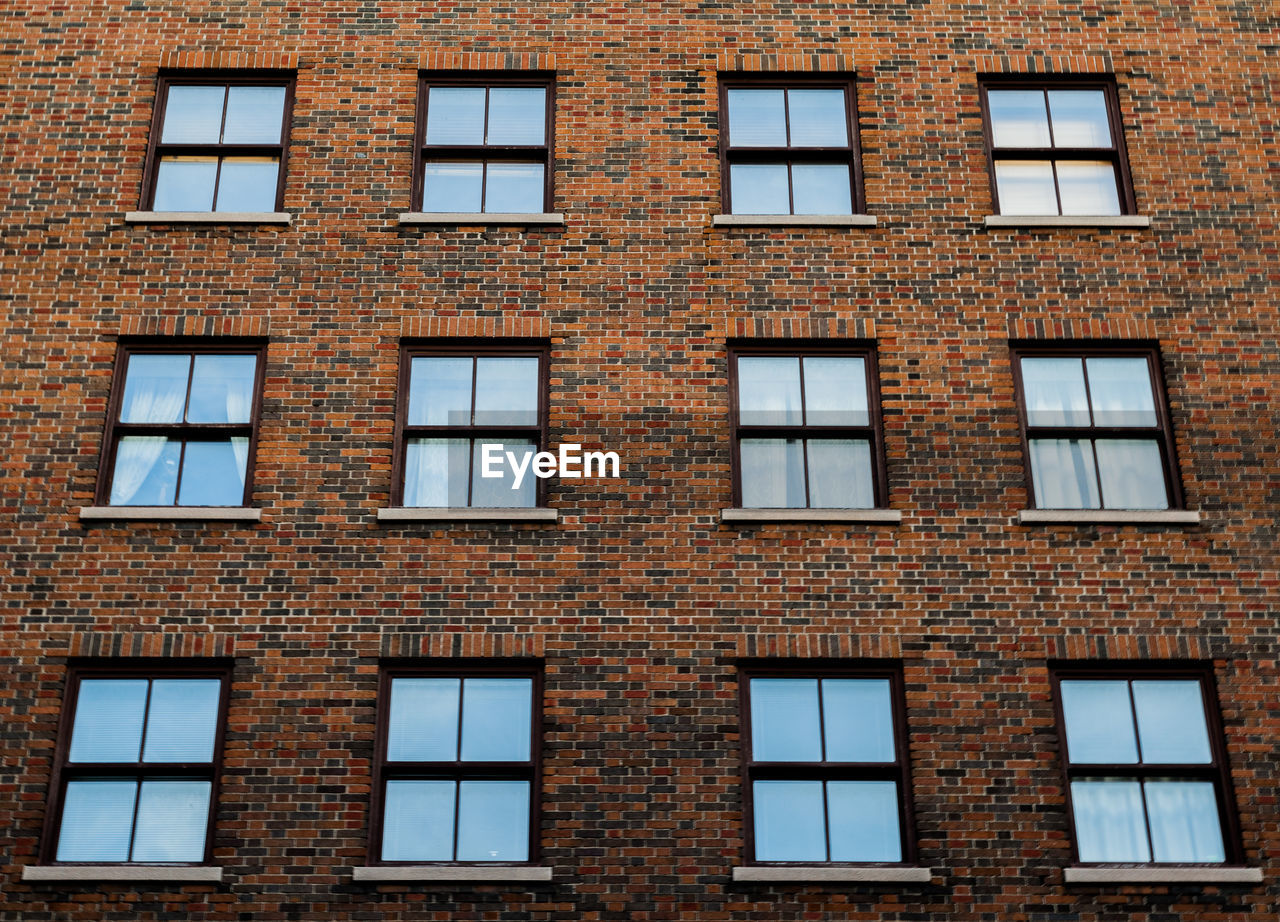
(639,600)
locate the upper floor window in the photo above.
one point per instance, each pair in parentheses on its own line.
(1096,427)
(806,423)
(789,145)
(1056,146)
(182,426)
(484,144)
(218,143)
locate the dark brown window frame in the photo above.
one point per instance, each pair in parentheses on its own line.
(804,348)
(544,153)
(63,771)
(475,348)
(228,78)
(115,430)
(899,770)
(531,771)
(1117,154)
(729,154)
(1083,348)
(1219,772)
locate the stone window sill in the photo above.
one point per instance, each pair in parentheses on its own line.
(208,217)
(819,874)
(476,874)
(170,513)
(1108,517)
(1067,220)
(467,514)
(1161,875)
(127,872)
(476,217)
(864,516)
(793,220)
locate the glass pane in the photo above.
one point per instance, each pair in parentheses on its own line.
(248,184)
(757,118)
(213,473)
(1063,474)
(1132,474)
(417,821)
(1184,821)
(1109,820)
(840,474)
(1018,119)
(146,471)
(517,115)
(155,388)
(440,391)
(1054,391)
(496,720)
(255,115)
(1099,722)
(789,821)
(436,472)
(193,115)
(221,389)
(857,721)
(818,118)
(455,115)
(97,819)
(109,720)
(1171,723)
(1026,187)
(821,188)
(772,473)
(835,391)
(173,818)
(1120,389)
(863,821)
(1079,118)
(1088,187)
(423,722)
(452,186)
(493,821)
(501,492)
(506,391)
(515,188)
(185,183)
(182,721)
(758,188)
(769,390)
(784,721)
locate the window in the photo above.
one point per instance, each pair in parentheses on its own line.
(827,769)
(182,426)
(789,146)
(218,143)
(453,403)
(137,766)
(484,144)
(457,769)
(806,427)
(1096,428)
(1145,765)
(1056,148)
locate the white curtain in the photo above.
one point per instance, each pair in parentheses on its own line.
(1109,820)
(135,457)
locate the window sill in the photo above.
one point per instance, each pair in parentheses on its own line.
(477,217)
(131,872)
(793,220)
(1067,220)
(170,513)
(864,516)
(1108,516)
(208,217)
(467,514)
(819,874)
(1166,875)
(450,874)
